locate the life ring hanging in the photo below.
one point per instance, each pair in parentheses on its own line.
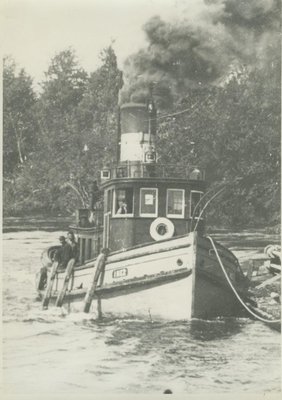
(161,229)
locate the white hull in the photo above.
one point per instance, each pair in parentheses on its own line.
(159,280)
(172,301)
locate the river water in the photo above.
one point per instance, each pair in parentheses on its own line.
(53,352)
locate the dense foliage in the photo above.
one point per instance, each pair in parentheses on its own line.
(20,127)
(55,143)
(233,132)
(75,117)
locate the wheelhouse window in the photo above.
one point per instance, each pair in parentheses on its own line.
(175,205)
(195,207)
(123,202)
(148,202)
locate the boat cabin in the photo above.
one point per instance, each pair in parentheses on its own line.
(133,204)
(144,201)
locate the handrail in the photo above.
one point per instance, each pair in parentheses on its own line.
(147,170)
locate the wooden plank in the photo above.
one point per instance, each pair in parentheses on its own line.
(259,257)
(99,268)
(275,267)
(68,273)
(269,281)
(49,288)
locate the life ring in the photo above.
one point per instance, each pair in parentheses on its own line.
(48,255)
(273,251)
(161,229)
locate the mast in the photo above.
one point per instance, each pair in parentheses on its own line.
(118,136)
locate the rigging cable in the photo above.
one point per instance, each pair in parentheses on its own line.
(204,198)
(184,111)
(178,112)
(205,206)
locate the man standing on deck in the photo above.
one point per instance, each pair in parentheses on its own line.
(73,244)
(64,254)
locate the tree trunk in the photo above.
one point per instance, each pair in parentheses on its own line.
(18,139)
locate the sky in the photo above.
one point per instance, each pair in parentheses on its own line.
(34,31)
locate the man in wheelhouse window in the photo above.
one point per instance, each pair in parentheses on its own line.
(122,207)
(124,201)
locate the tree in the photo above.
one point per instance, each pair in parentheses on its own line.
(62,90)
(19,124)
(77,119)
(96,119)
(234,133)
(64,84)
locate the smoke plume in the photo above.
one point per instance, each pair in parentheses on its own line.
(226,37)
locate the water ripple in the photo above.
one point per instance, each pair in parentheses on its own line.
(125,355)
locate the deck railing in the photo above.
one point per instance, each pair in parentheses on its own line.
(145,170)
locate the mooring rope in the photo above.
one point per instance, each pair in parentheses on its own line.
(275,321)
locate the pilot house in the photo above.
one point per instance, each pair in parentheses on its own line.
(144,201)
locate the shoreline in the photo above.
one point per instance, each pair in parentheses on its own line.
(36,222)
(53,222)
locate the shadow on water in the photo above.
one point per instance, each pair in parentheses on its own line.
(165,332)
(215,330)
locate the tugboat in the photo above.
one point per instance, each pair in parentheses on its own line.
(145,252)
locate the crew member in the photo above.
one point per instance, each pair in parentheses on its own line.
(64,254)
(122,207)
(74,246)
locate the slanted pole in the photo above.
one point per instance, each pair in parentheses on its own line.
(98,270)
(69,271)
(194,271)
(99,308)
(49,288)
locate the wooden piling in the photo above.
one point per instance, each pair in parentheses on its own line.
(69,271)
(98,270)
(49,288)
